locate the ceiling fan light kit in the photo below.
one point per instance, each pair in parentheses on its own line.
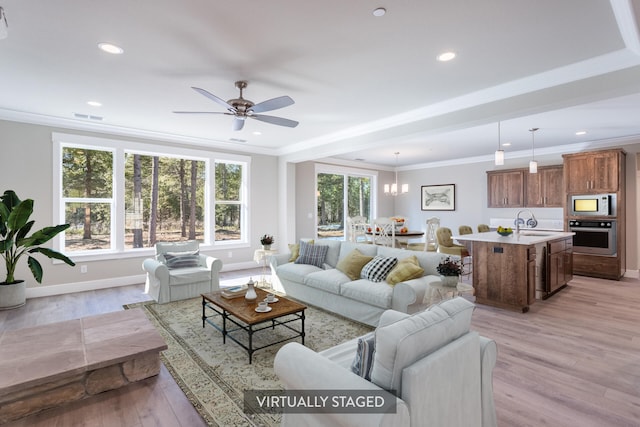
(242,108)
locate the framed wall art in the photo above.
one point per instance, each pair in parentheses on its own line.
(439,197)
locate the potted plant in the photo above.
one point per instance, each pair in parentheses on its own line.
(266,241)
(15,242)
(450,269)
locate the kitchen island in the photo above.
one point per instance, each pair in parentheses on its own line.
(512,271)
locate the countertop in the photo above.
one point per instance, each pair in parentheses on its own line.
(526,237)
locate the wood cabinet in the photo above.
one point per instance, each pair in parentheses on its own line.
(505,189)
(504,275)
(593,172)
(559,268)
(597,172)
(545,188)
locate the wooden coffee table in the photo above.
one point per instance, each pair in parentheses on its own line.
(244,317)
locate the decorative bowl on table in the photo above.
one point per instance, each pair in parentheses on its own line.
(504,231)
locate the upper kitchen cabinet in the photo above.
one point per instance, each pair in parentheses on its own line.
(505,189)
(544,189)
(592,172)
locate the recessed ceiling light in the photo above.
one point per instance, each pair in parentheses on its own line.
(111,48)
(506,144)
(94,103)
(380,11)
(581,132)
(446,56)
(257,132)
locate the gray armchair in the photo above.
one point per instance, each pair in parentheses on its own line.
(179,272)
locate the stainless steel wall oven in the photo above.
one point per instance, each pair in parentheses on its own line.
(594,237)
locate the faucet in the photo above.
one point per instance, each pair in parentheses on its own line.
(518,219)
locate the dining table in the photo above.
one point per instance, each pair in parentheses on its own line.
(402,238)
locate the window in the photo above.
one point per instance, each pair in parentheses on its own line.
(168,195)
(341,193)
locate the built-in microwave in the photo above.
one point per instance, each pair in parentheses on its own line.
(592,205)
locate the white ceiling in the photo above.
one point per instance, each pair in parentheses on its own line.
(365,87)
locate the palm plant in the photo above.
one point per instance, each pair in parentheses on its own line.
(15,242)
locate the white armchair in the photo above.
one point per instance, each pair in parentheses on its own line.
(179,272)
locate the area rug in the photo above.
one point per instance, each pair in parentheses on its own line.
(214,375)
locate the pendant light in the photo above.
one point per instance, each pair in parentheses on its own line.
(499,156)
(533,164)
(393,188)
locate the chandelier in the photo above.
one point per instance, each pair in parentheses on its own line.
(392,189)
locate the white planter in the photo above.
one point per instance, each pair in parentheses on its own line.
(13,295)
(451,281)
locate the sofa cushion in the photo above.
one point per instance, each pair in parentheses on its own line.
(327,280)
(352,264)
(364,356)
(295,272)
(333,251)
(402,343)
(312,254)
(189,275)
(378,268)
(187,259)
(294,249)
(378,294)
(405,269)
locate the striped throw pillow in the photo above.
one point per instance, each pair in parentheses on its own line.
(175,260)
(312,254)
(378,268)
(363,361)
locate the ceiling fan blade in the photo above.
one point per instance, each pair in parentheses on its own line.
(275,120)
(200,112)
(214,98)
(238,123)
(272,104)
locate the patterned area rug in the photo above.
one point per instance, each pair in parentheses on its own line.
(214,375)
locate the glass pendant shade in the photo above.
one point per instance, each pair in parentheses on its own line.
(499,156)
(533,164)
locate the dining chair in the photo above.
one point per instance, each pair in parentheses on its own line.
(383,232)
(357,228)
(431,242)
(483,228)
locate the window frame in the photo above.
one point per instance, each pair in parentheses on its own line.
(119,148)
(346,172)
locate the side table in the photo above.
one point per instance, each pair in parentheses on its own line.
(458,290)
(261,256)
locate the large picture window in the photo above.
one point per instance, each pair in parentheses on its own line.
(120,197)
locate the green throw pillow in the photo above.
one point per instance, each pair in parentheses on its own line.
(352,264)
(406,269)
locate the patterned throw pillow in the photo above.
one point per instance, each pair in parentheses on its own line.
(175,260)
(406,269)
(295,250)
(378,268)
(312,254)
(363,361)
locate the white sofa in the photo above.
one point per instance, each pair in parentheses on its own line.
(166,284)
(361,300)
(440,371)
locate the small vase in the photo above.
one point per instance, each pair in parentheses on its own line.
(250,295)
(266,247)
(451,281)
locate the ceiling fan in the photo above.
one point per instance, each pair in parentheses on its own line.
(242,108)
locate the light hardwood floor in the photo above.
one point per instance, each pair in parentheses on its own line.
(572,360)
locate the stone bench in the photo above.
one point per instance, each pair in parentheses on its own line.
(50,365)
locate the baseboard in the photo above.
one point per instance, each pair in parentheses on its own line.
(632,274)
(92,285)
